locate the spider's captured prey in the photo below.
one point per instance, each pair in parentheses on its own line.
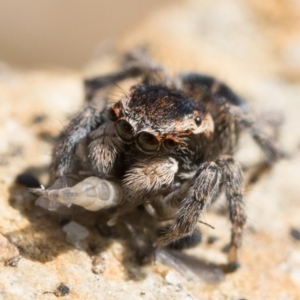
(167,144)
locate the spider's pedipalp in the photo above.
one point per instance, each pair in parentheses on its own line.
(149,176)
(104,148)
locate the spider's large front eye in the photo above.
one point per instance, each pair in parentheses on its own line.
(125,131)
(147,142)
(170,144)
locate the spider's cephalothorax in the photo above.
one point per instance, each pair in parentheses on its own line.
(158,120)
(166,144)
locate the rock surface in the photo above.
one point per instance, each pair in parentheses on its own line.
(254,47)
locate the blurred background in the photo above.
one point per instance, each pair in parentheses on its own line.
(64,33)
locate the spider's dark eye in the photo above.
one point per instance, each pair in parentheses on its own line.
(198,121)
(147,142)
(112,114)
(170,144)
(125,131)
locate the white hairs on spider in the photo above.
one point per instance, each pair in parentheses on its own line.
(149,176)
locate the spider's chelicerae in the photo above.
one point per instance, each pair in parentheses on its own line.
(167,144)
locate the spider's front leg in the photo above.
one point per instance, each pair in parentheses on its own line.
(205,189)
(92,193)
(79,127)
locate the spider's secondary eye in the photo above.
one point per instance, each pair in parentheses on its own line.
(147,142)
(125,131)
(170,144)
(198,121)
(112,114)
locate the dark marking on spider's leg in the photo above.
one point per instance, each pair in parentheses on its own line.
(204,190)
(233,181)
(79,127)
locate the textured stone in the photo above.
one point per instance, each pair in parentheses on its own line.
(252,45)
(7,250)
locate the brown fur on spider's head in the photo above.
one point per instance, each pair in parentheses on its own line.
(158,118)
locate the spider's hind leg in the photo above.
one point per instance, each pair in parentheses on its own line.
(207,90)
(134,64)
(255,127)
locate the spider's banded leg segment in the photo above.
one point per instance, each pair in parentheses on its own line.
(204,190)
(79,127)
(233,181)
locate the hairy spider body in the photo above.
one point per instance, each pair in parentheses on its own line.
(168,144)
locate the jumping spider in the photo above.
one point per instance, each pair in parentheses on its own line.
(167,144)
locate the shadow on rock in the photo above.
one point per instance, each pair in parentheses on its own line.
(43,238)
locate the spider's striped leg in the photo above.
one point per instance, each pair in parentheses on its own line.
(78,128)
(233,182)
(135,64)
(204,190)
